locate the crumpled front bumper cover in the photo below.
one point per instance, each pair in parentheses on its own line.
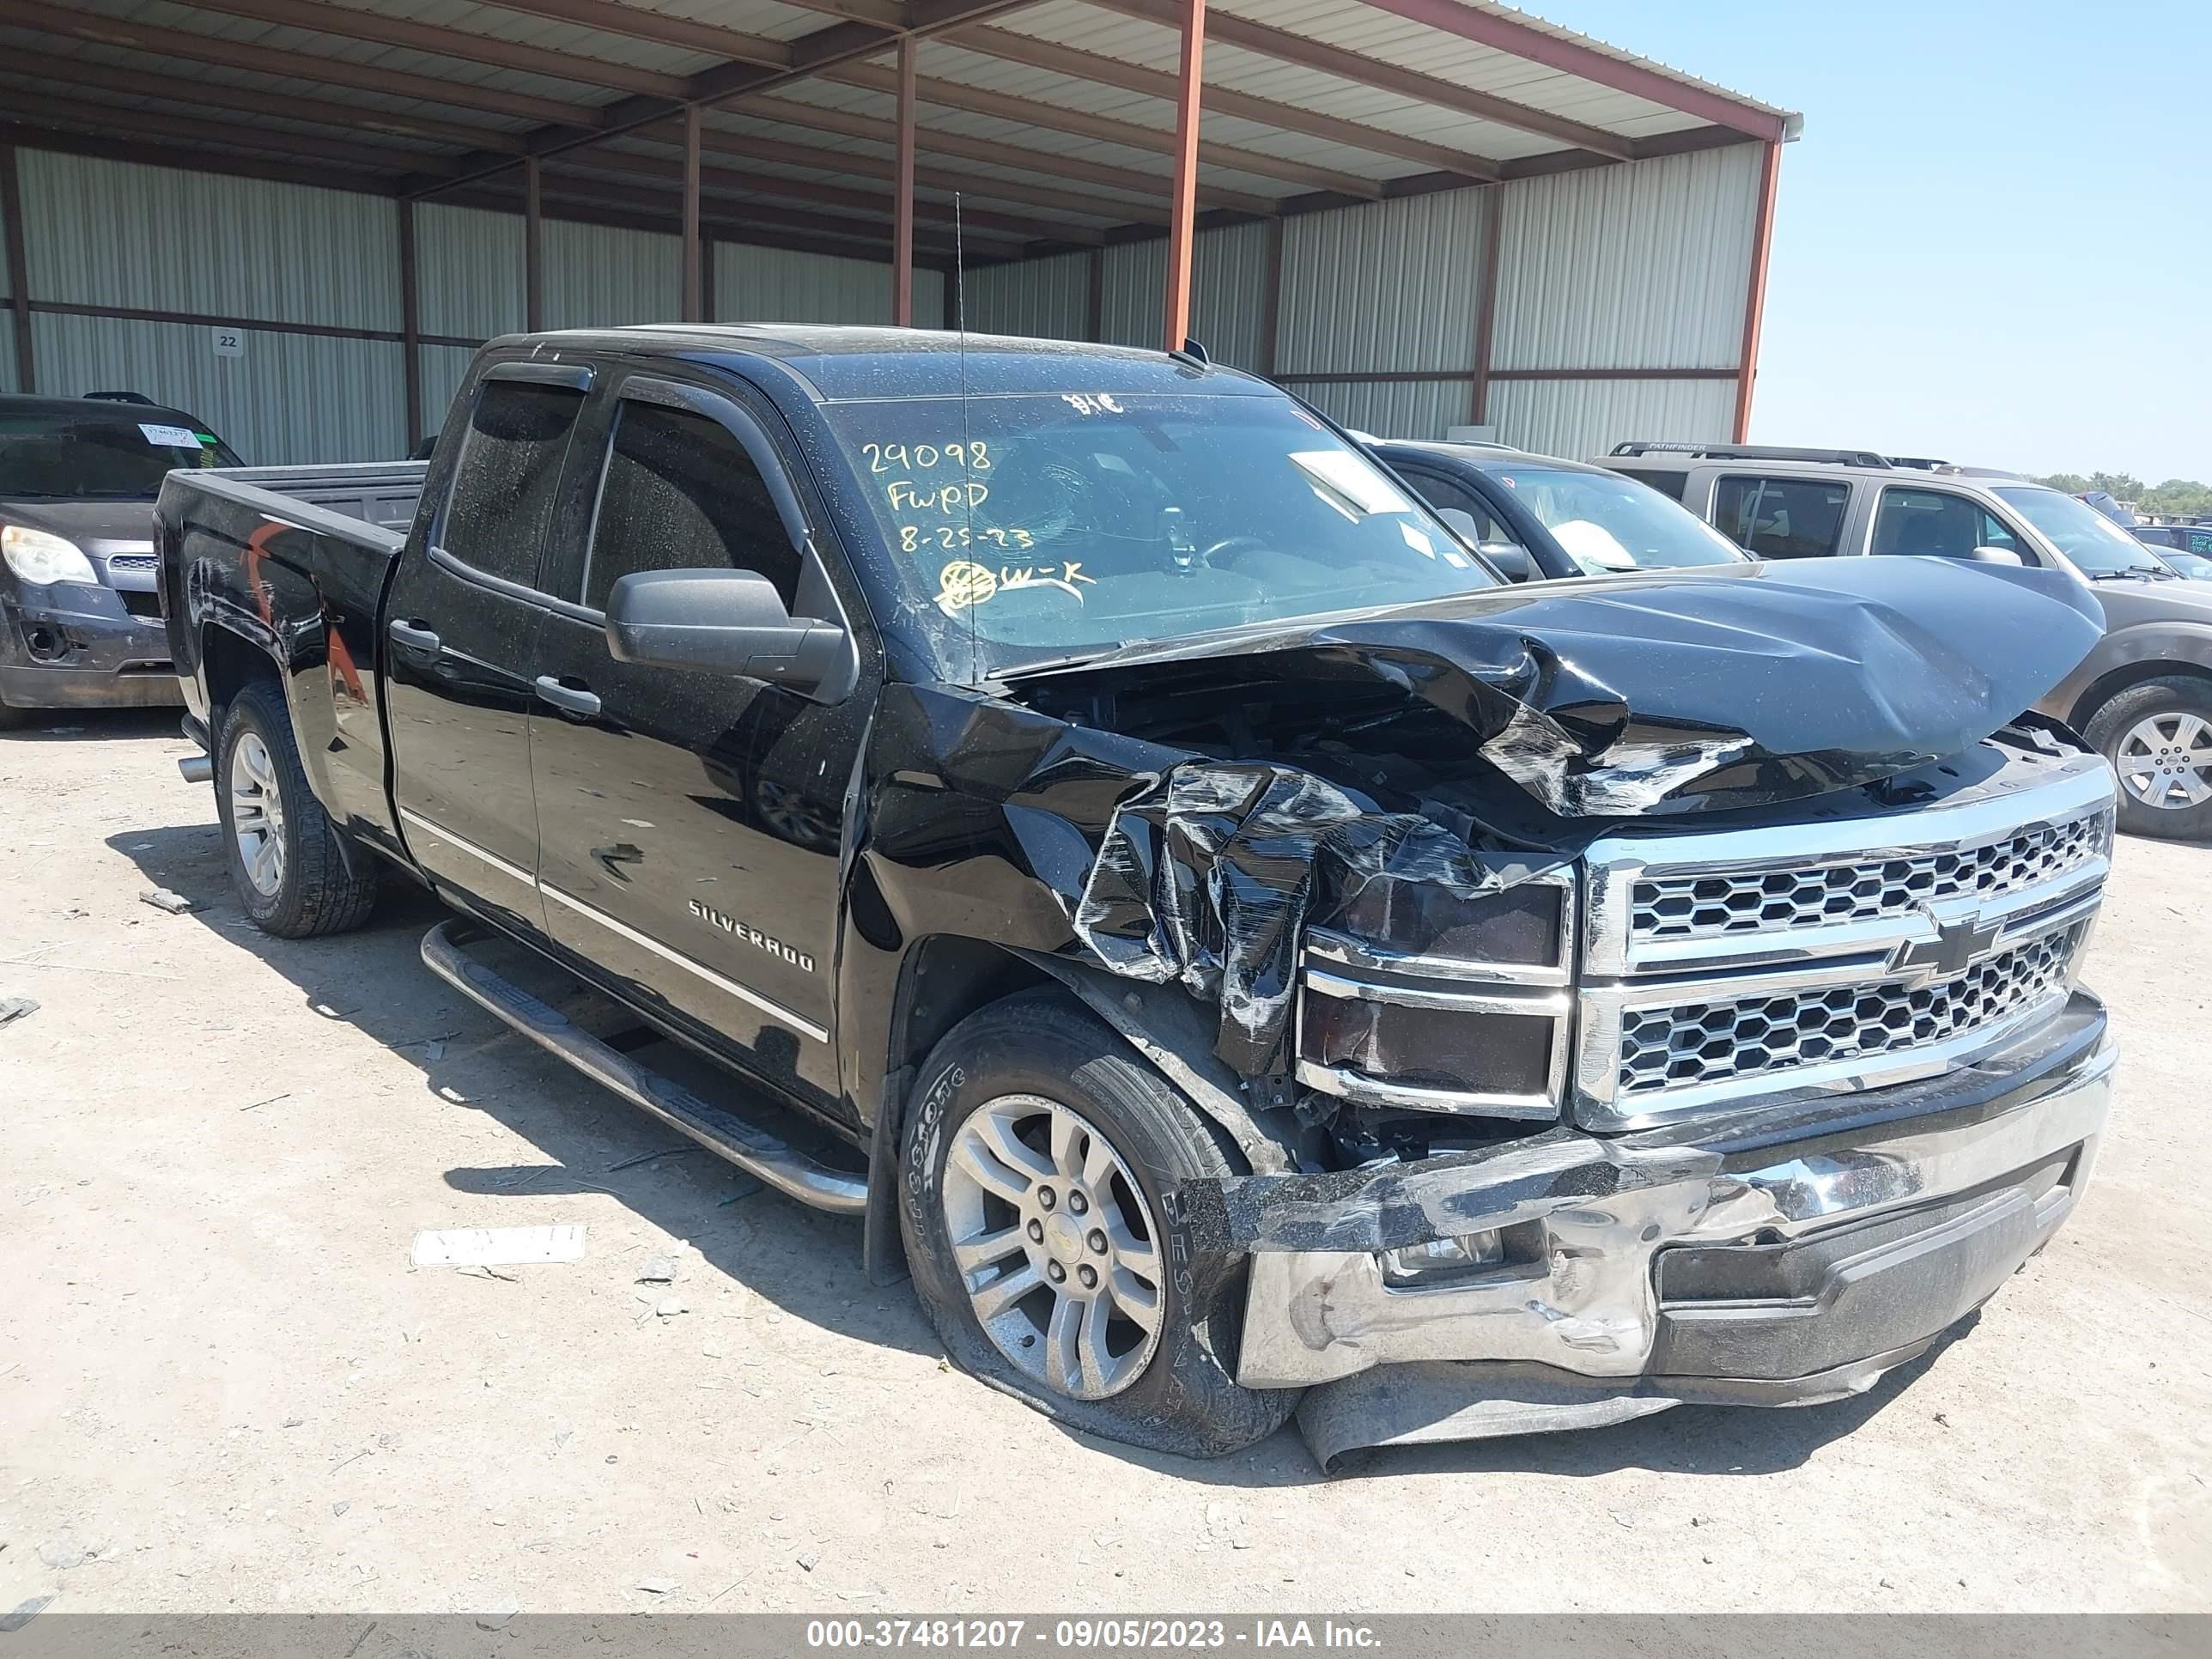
(1772,1260)
(71,646)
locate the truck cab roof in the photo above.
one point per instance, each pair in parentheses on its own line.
(835,364)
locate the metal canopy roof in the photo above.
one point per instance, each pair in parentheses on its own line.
(1052,120)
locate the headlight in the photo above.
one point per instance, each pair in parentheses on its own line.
(1414,998)
(41,558)
(1519,926)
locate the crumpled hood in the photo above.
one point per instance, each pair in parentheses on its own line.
(1691,692)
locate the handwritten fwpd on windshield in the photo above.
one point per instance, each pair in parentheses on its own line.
(938,512)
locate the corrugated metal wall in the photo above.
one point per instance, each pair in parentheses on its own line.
(1639,266)
(112,235)
(1580,419)
(1047,299)
(1643,266)
(1385,286)
(468,272)
(290,398)
(777,285)
(1393,409)
(1228,293)
(597,277)
(109,233)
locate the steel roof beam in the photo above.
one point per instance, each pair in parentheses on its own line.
(724,215)
(1502,33)
(1012,47)
(809,53)
(1129,180)
(148,123)
(347,24)
(636,23)
(1229,30)
(243,100)
(812,233)
(952,94)
(167,154)
(187,46)
(779,152)
(607,160)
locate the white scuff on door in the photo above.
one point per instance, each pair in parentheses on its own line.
(500,1247)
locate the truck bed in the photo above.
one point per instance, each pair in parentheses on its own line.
(294,560)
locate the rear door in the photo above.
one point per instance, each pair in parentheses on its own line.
(1781,517)
(461,633)
(691,822)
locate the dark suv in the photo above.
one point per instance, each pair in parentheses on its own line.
(2186,547)
(80,618)
(2143,696)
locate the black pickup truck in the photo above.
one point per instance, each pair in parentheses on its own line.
(1227,944)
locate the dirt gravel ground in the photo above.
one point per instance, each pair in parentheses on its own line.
(223,1388)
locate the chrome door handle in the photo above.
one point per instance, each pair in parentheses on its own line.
(413,635)
(569,699)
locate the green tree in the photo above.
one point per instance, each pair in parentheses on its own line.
(2072,483)
(2185,497)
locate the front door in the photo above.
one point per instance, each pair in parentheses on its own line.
(691,822)
(462,634)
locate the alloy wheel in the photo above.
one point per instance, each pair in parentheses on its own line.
(1056,1245)
(257,814)
(2165,760)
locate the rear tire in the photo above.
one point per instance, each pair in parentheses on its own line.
(1127,1327)
(2158,736)
(284,852)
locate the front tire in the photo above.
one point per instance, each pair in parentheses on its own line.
(2158,736)
(283,853)
(1037,1167)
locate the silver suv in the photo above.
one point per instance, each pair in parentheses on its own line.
(2143,696)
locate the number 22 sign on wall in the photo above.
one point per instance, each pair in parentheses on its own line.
(228,342)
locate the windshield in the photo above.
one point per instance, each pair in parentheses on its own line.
(2194,566)
(1026,528)
(1606,523)
(64,457)
(2097,546)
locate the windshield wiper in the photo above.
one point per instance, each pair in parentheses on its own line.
(2149,572)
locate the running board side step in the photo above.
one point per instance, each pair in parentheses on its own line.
(752,1149)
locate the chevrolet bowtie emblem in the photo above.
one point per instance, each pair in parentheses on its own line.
(1954,949)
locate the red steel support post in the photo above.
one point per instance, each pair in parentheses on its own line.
(695,285)
(1176,326)
(903,191)
(533,245)
(1755,299)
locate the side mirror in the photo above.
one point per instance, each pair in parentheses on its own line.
(724,622)
(1510,558)
(1995,555)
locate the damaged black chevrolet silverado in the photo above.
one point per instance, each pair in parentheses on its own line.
(1240,949)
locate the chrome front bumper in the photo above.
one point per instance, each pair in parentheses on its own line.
(1770,1259)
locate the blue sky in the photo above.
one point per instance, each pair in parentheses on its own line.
(1994,242)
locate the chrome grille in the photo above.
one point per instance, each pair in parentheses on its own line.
(1708,906)
(1696,1043)
(1840,955)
